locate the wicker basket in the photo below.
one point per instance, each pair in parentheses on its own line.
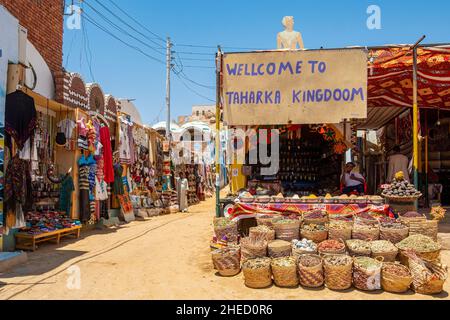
(355,252)
(394,235)
(311,276)
(427,256)
(285,275)
(336,233)
(258,278)
(365,279)
(407,220)
(364,232)
(296,252)
(322,220)
(389,255)
(316,236)
(256,233)
(323,251)
(427,228)
(227,261)
(287,231)
(251,249)
(279,248)
(338,277)
(265,221)
(230,231)
(392,282)
(428,277)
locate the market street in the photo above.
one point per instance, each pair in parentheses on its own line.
(167,257)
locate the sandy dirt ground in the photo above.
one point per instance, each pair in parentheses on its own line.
(167,257)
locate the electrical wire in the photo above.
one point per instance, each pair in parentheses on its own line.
(157,50)
(137,22)
(90,20)
(192,90)
(70,49)
(87,48)
(127,24)
(184,76)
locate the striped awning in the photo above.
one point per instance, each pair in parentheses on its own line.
(377,117)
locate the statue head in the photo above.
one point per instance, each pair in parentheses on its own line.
(288,23)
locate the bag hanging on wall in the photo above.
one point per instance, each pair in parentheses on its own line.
(61,138)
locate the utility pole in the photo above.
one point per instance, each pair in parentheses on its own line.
(218,118)
(169,67)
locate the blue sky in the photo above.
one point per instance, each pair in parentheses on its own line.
(126,73)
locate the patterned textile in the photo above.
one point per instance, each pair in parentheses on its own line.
(17,179)
(391,74)
(253,210)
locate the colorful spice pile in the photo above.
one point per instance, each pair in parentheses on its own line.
(367,263)
(392,225)
(309,261)
(316,214)
(331,246)
(438,213)
(337,260)
(396,269)
(366,216)
(359,247)
(382,246)
(314,227)
(412,214)
(305,245)
(419,243)
(284,262)
(259,263)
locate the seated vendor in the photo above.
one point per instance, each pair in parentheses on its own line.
(352,182)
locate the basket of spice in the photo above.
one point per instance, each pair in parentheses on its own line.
(367,273)
(393,231)
(425,248)
(427,228)
(287,229)
(338,271)
(428,277)
(385,249)
(395,277)
(340,229)
(266,220)
(227,261)
(364,231)
(257,273)
(226,228)
(411,216)
(359,248)
(365,218)
(279,248)
(315,217)
(262,232)
(304,246)
(332,247)
(284,272)
(314,232)
(253,248)
(310,271)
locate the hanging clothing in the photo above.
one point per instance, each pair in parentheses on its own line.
(17,182)
(118,181)
(83,181)
(108,169)
(65,195)
(101,189)
(20,117)
(67,126)
(124,143)
(29,151)
(182,188)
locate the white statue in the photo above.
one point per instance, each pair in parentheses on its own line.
(289,39)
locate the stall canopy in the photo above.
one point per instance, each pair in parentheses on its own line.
(390,87)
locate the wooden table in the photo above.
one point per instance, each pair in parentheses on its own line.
(26,241)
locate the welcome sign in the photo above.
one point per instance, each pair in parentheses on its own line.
(299,87)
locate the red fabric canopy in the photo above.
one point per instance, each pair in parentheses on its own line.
(391,77)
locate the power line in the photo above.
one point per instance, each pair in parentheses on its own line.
(89,19)
(127,24)
(87,48)
(70,49)
(198,59)
(200,67)
(136,21)
(215,47)
(121,29)
(184,76)
(197,53)
(192,90)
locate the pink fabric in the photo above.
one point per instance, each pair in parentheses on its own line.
(108,169)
